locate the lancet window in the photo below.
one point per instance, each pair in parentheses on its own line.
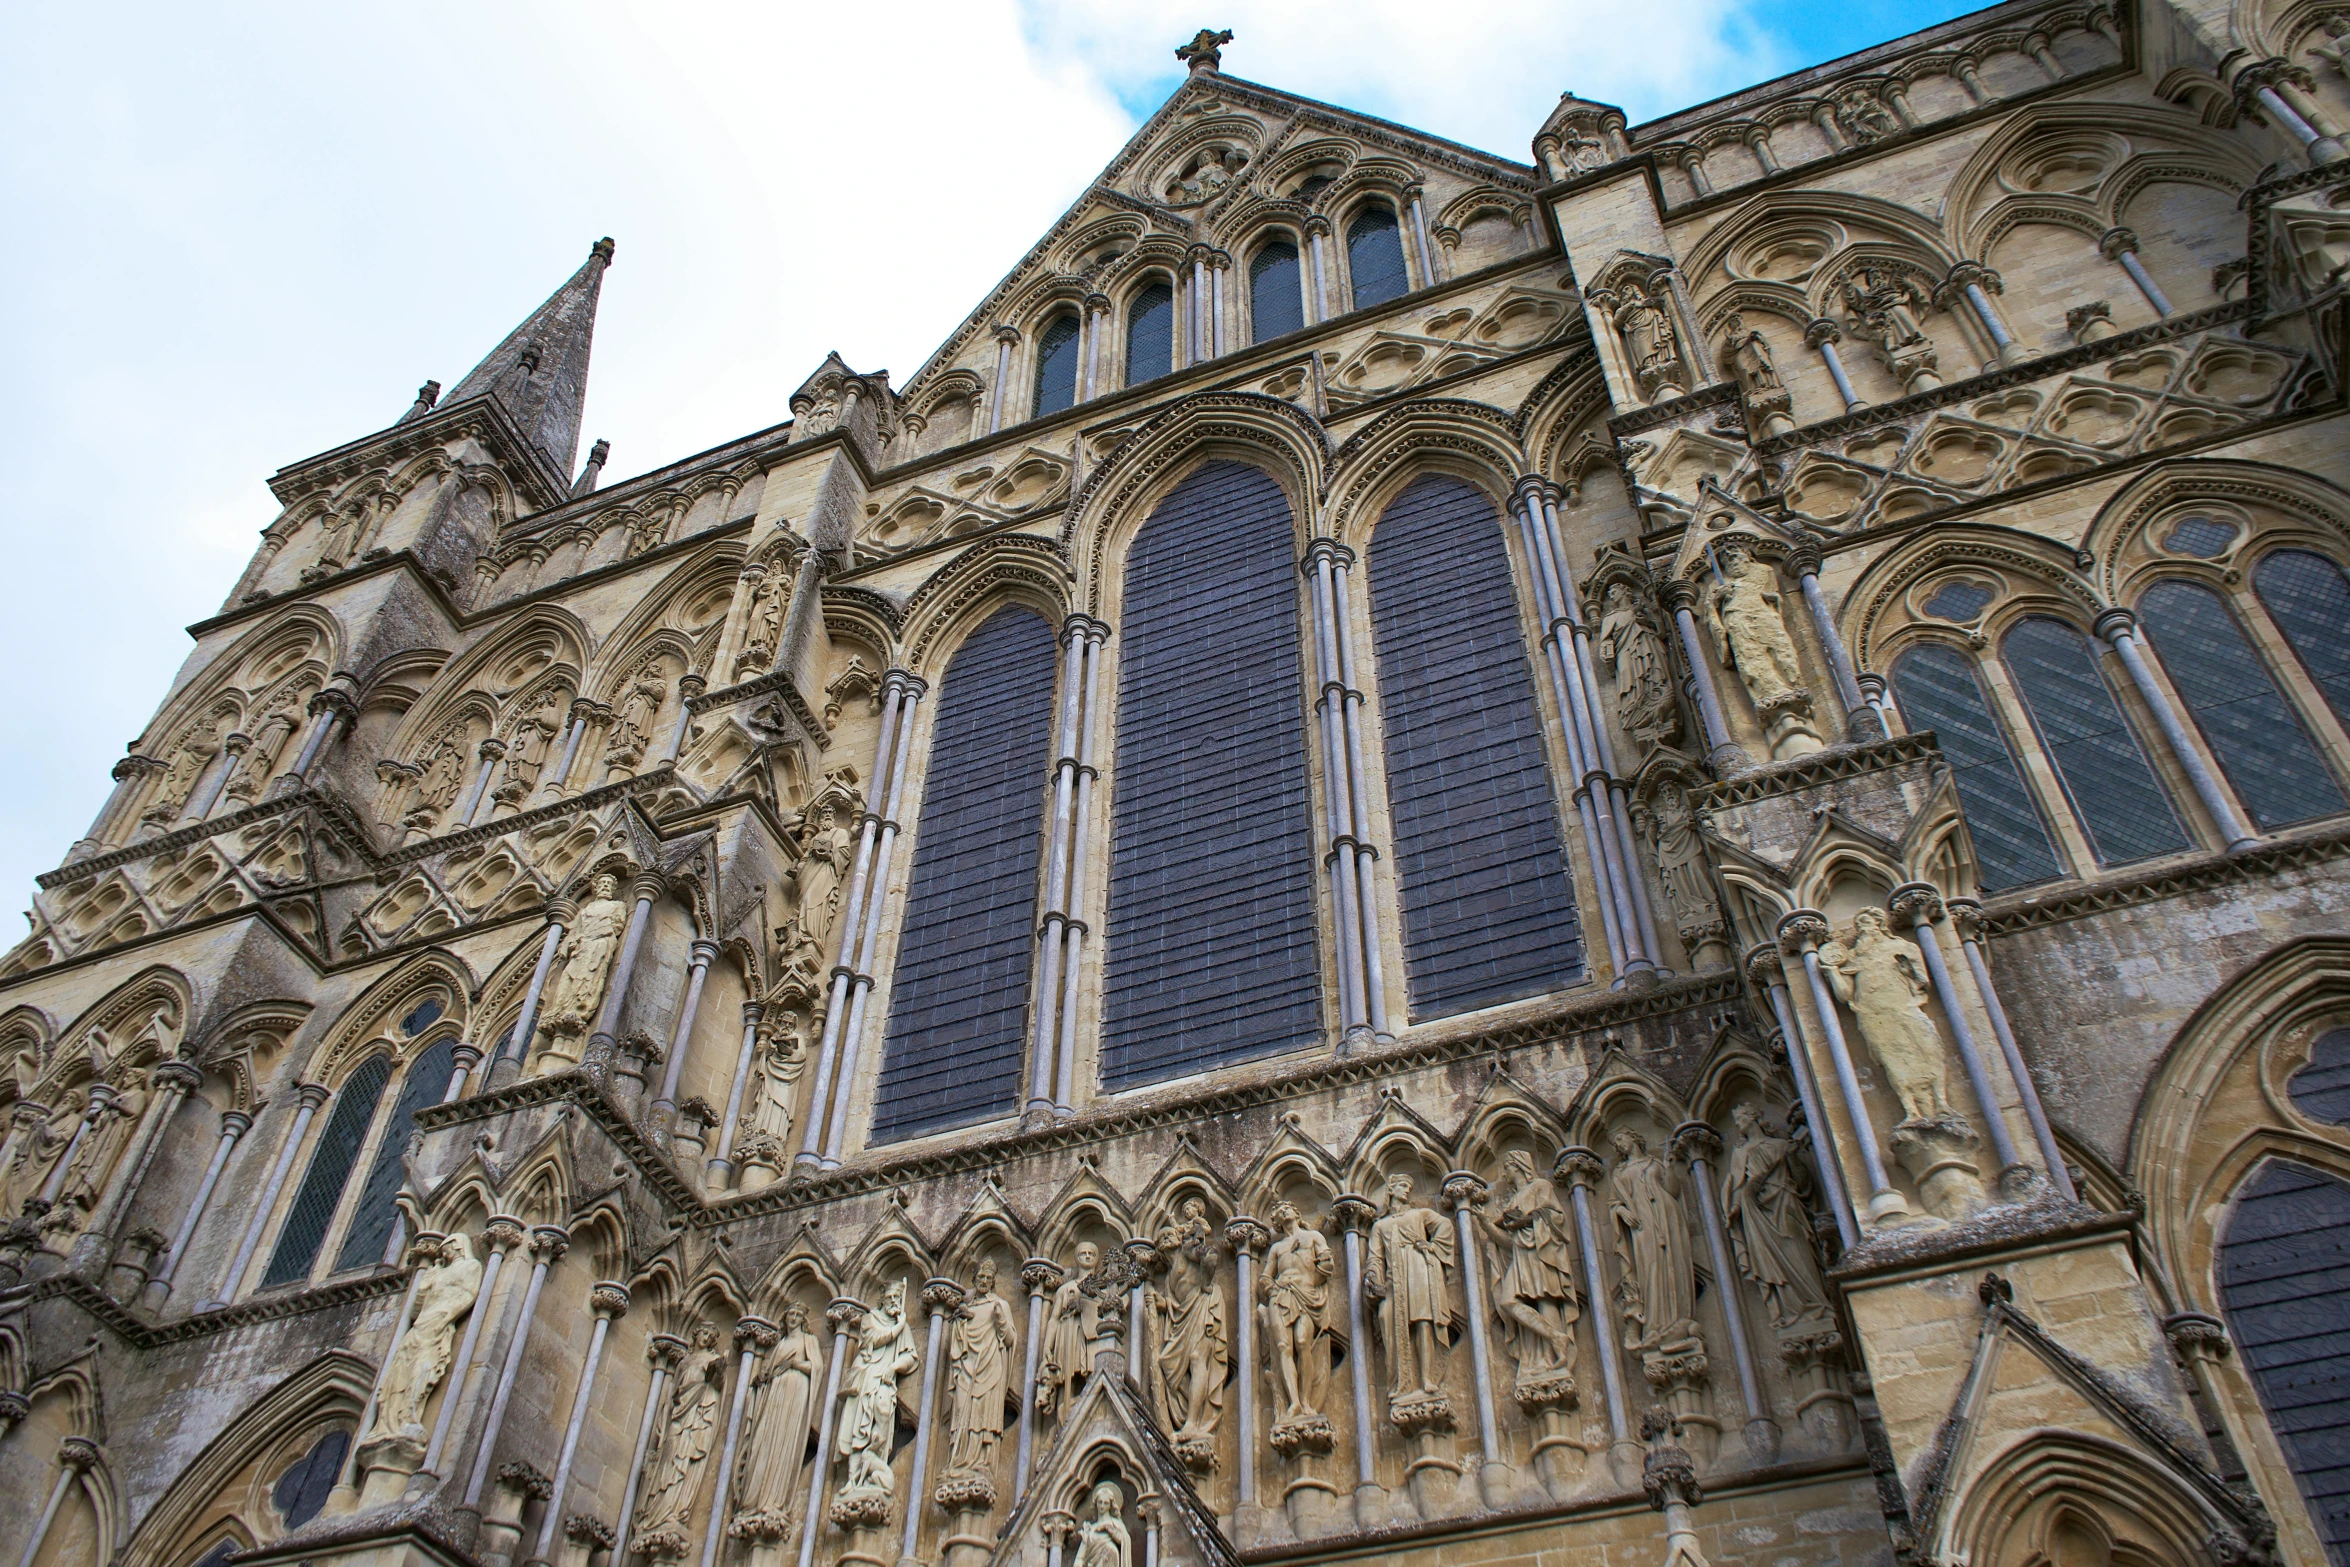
(2308,597)
(1939,690)
(1374,258)
(1488,897)
(952,1053)
(1056,367)
(2113,789)
(377,1216)
(321,1191)
(1276,297)
(1150,334)
(1210,952)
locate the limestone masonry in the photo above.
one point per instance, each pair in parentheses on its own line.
(1634,861)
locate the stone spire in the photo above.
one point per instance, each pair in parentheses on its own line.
(539,373)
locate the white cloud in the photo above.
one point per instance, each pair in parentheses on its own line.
(243,235)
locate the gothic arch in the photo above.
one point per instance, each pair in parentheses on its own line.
(1012,568)
(433,974)
(2149,1518)
(2035,576)
(1900,231)
(1470,441)
(1979,213)
(2311,507)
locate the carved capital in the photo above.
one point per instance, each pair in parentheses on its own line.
(1973,274)
(234,1123)
(942,1297)
(2113,624)
(1007,335)
(1694,1141)
(1142,1259)
(1464,1189)
(429,1247)
(502,1234)
(664,1352)
(14,1406)
(1913,900)
(755,1334)
(1353,1211)
(185,1076)
(1677,595)
(647,886)
(77,1453)
(1764,966)
(1967,915)
(1802,930)
(1576,1166)
(2115,242)
(311,1095)
(2197,1336)
(1803,560)
(525,1480)
(1245,1235)
(609,1299)
(548,1243)
(1668,1475)
(1040,1274)
(843,1315)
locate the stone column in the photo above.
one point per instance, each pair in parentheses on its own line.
(501,1235)
(1198,343)
(1042,1276)
(232,751)
(1005,337)
(1464,1194)
(232,1127)
(2120,246)
(1324,558)
(334,710)
(560,913)
(1861,721)
(2280,90)
(1967,915)
(1318,229)
(842,1316)
(478,792)
(1142,1263)
(75,1456)
(1800,934)
(1081,833)
(167,1084)
(1355,1215)
(312,1095)
(1824,334)
(607,1301)
(1248,1240)
(1976,283)
(596,1056)
(1670,1479)
(1699,1146)
(1044,1038)
(583,713)
(1097,316)
(2119,628)
(2200,1341)
(662,1354)
(1766,970)
(1918,905)
(1420,248)
(941,1299)
(548,1242)
(128,775)
(720,1170)
(869,941)
(1578,1167)
(1723,754)
(703,953)
(753,1337)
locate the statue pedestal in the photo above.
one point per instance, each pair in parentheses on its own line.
(1371,1506)
(966,1500)
(1814,1353)
(862,1519)
(1309,1498)
(1939,1156)
(1787,727)
(385,1466)
(1431,1474)
(1680,1380)
(764,1531)
(1550,1401)
(560,1055)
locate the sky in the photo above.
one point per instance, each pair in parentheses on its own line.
(244,234)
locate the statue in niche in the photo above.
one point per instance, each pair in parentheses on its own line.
(1649,341)
(1195,1346)
(646,533)
(823,415)
(769,1482)
(762,628)
(1582,152)
(632,723)
(766,1126)
(980,1346)
(526,755)
(197,747)
(1880,978)
(1658,1292)
(828,850)
(586,954)
(1769,1221)
(1864,119)
(1743,612)
(1071,1325)
(869,1400)
(337,532)
(25,1071)
(444,1295)
(1298,1320)
(1746,357)
(92,1160)
(1534,1272)
(1884,306)
(437,785)
(1635,655)
(1411,1252)
(39,1150)
(689,1427)
(1680,862)
(1102,1540)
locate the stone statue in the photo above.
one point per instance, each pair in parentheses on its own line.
(769,1482)
(444,774)
(1769,1222)
(689,1429)
(1411,1253)
(980,1346)
(1743,613)
(1649,341)
(1884,308)
(1582,152)
(1298,1316)
(1881,979)
(198,746)
(823,415)
(586,955)
(767,1124)
(1102,1539)
(444,1295)
(1680,862)
(1071,1325)
(762,628)
(93,1160)
(38,1151)
(1533,1271)
(632,724)
(1658,1292)
(1746,358)
(336,531)
(1195,1346)
(869,1398)
(26,1071)
(526,755)
(1635,655)
(829,848)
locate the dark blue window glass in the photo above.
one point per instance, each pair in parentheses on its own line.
(1150,334)
(1276,307)
(1056,367)
(1488,898)
(330,1168)
(1374,254)
(2284,1277)
(1210,953)
(958,1003)
(301,1492)
(2254,732)
(377,1212)
(2321,1090)
(2120,803)
(1937,690)
(2309,599)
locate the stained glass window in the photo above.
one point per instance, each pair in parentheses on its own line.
(1056,366)
(1150,334)
(1938,690)
(2114,792)
(1374,254)
(1275,304)
(321,1191)
(2308,597)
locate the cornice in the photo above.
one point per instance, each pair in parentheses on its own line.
(1833,765)
(527,468)
(2016,912)
(140,1334)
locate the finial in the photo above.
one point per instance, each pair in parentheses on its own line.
(426,395)
(594,469)
(1205,51)
(602,250)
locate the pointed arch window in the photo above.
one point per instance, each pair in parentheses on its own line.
(1488,899)
(1276,292)
(1150,334)
(1374,256)
(1938,689)
(321,1191)
(959,997)
(2308,597)
(1056,367)
(2120,803)
(1210,950)
(301,1492)
(2253,731)
(377,1216)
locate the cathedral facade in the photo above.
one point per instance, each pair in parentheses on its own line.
(1639,858)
